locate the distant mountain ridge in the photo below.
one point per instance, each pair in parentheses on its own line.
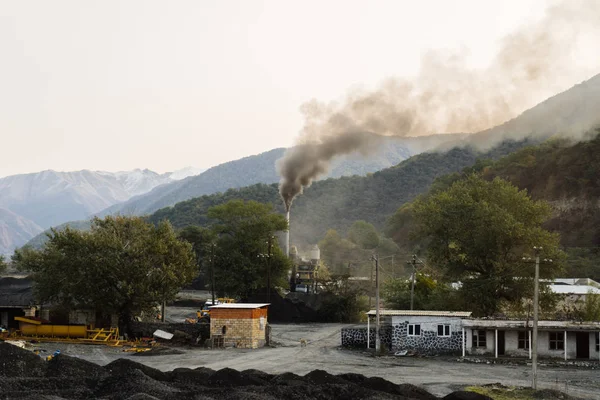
(261,168)
(33,202)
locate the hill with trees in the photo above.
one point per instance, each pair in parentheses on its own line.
(338,203)
(261,168)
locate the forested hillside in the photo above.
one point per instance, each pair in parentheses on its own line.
(337,203)
(261,168)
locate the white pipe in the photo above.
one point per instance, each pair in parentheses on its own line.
(287,235)
(529,334)
(496,343)
(565,345)
(368,330)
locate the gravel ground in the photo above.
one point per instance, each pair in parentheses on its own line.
(436,375)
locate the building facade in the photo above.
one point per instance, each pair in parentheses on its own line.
(425,332)
(242,325)
(455,332)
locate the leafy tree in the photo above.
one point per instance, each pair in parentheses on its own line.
(201,240)
(478,232)
(3,265)
(364,235)
(244,231)
(428,294)
(123,266)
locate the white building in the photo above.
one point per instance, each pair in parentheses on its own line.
(439,332)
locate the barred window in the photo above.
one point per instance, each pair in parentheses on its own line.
(479,339)
(557,341)
(414,329)
(523,340)
(443,330)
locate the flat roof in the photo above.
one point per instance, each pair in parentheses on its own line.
(422,313)
(574,289)
(514,324)
(240,305)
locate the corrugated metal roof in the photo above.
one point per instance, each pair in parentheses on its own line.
(422,313)
(16,292)
(240,305)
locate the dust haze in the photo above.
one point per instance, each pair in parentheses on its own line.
(447,96)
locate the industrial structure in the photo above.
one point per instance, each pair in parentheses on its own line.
(305,270)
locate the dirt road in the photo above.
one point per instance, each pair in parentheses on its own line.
(323,351)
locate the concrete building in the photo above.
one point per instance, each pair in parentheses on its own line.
(556,339)
(423,331)
(241,325)
(455,332)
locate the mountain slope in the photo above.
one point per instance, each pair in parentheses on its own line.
(261,168)
(15,230)
(48,198)
(337,203)
(571,113)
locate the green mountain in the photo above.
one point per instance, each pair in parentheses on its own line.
(261,168)
(337,203)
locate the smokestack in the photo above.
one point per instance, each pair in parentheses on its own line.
(287,234)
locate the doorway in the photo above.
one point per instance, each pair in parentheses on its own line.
(501,343)
(583,344)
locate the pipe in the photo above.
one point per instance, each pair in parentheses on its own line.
(287,235)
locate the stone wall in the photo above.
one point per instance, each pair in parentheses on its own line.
(428,342)
(356,337)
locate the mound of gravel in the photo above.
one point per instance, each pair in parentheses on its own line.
(132,382)
(288,379)
(64,366)
(320,377)
(123,365)
(18,362)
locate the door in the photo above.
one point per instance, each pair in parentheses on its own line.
(583,344)
(501,343)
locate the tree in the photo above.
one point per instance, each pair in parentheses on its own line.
(478,232)
(243,231)
(123,266)
(3,265)
(201,240)
(364,235)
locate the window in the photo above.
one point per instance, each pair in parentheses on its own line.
(597,341)
(444,330)
(479,339)
(557,341)
(414,330)
(523,340)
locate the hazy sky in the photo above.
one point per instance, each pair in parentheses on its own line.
(116,85)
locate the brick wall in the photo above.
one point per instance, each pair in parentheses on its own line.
(243,328)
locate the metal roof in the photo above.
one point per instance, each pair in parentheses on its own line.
(574,289)
(423,313)
(240,305)
(16,292)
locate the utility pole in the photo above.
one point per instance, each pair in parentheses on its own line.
(371,291)
(269,243)
(536,295)
(412,286)
(212,272)
(377,339)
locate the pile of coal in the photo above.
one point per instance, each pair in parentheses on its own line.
(24,375)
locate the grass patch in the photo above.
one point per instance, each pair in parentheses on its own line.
(501,392)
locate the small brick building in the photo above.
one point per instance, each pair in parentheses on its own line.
(241,325)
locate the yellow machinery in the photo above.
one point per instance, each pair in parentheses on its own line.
(30,328)
(205,312)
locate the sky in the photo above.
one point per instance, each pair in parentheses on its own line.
(117,85)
